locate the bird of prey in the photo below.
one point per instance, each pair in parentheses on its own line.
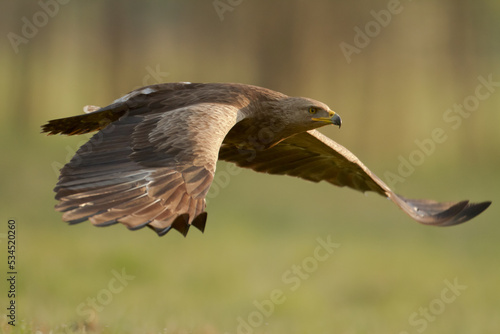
(153,159)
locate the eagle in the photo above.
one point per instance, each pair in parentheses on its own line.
(153,159)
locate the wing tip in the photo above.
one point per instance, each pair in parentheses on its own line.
(473,209)
(434,213)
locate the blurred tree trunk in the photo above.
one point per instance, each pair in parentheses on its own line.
(115,33)
(276,50)
(461,48)
(22,79)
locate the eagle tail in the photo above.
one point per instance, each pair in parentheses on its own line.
(80,124)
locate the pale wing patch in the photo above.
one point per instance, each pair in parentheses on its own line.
(144,91)
(88,109)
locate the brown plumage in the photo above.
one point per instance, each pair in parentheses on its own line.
(153,159)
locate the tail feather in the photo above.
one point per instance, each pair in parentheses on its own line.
(80,124)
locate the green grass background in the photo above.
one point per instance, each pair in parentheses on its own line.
(395,91)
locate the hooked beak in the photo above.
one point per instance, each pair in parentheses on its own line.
(333,118)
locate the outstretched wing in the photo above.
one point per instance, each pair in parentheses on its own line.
(148,168)
(315,157)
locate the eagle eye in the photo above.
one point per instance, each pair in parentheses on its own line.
(313,110)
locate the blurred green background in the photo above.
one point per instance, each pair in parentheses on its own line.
(413,61)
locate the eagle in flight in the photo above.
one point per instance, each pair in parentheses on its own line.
(153,159)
